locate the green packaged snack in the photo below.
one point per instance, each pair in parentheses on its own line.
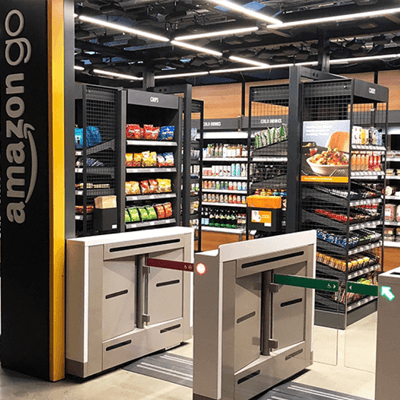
(134,214)
(151,212)
(127,216)
(144,215)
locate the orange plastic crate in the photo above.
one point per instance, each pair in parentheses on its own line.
(264,201)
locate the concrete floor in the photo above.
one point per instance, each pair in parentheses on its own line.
(334,353)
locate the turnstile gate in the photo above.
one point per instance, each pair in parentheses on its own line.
(249,332)
(118,309)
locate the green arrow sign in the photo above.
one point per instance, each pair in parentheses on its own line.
(309,283)
(362,288)
(386,291)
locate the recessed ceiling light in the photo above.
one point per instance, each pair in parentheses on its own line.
(123,28)
(196,48)
(243,10)
(336,18)
(184,75)
(248,61)
(116,75)
(217,33)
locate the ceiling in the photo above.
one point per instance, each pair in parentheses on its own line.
(108,49)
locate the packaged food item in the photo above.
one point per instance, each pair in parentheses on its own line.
(145,187)
(390,212)
(129,159)
(127,216)
(149,159)
(150,132)
(134,131)
(144,215)
(134,214)
(167,133)
(164,185)
(169,159)
(389,191)
(160,211)
(398,213)
(168,210)
(160,160)
(137,160)
(132,187)
(153,186)
(151,212)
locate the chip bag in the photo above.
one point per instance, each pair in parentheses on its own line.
(137,160)
(160,211)
(168,210)
(167,133)
(134,131)
(146,161)
(151,212)
(160,160)
(132,187)
(144,186)
(134,214)
(127,216)
(169,159)
(129,159)
(144,215)
(153,186)
(164,185)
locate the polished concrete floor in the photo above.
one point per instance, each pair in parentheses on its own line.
(344,362)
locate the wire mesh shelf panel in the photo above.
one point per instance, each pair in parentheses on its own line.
(342,179)
(96,163)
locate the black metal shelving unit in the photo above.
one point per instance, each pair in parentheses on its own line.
(345,205)
(96,165)
(147,108)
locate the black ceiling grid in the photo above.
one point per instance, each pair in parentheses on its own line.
(107,49)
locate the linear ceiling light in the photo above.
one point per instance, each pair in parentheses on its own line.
(117,75)
(217,33)
(197,48)
(181,75)
(366,58)
(336,18)
(248,61)
(123,28)
(79,68)
(236,7)
(229,70)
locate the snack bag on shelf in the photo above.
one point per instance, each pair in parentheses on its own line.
(132,187)
(167,133)
(78,138)
(153,159)
(144,215)
(168,210)
(146,161)
(151,212)
(145,187)
(153,186)
(155,133)
(134,131)
(160,160)
(160,211)
(93,136)
(129,159)
(169,159)
(164,186)
(150,132)
(134,214)
(127,216)
(137,160)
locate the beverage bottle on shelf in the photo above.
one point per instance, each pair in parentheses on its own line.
(244,151)
(212,218)
(234,220)
(217,222)
(353,161)
(207,217)
(232,151)
(243,169)
(222,219)
(233,170)
(228,221)
(212,150)
(239,151)
(358,161)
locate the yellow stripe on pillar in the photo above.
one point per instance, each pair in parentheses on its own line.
(57,188)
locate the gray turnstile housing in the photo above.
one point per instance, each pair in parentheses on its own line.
(249,333)
(118,309)
(387,385)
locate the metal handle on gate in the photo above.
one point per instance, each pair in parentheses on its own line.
(142,271)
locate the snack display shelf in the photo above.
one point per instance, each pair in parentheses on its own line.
(149,170)
(79,217)
(268,158)
(392,197)
(150,223)
(366,174)
(96,149)
(392,177)
(324,271)
(393,159)
(369,224)
(360,303)
(389,243)
(243,192)
(367,147)
(237,231)
(365,202)
(96,170)
(227,160)
(224,205)
(96,192)
(162,143)
(330,247)
(364,271)
(157,196)
(226,178)
(392,223)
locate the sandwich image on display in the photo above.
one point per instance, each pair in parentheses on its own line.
(339,141)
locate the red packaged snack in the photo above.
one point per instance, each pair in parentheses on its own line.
(147,132)
(145,187)
(160,211)
(134,131)
(153,186)
(168,210)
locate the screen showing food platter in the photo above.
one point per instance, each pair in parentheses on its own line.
(325,151)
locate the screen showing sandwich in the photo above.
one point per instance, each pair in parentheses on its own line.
(325,151)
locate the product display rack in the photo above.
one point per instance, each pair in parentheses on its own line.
(268,144)
(99,107)
(224,179)
(147,108)
(346,206)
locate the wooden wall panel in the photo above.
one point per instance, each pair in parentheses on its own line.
(391,79)
(365,76)
(391,258)
(220,101)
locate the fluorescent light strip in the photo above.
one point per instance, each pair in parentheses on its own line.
(181,75)
(366,58)
(117,75)
(236,7)
(123,28)
(226,71)
(219,33)
(79,68)
(197,48)
(248,61)
(336,18)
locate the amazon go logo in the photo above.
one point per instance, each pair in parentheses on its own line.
(19,133)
